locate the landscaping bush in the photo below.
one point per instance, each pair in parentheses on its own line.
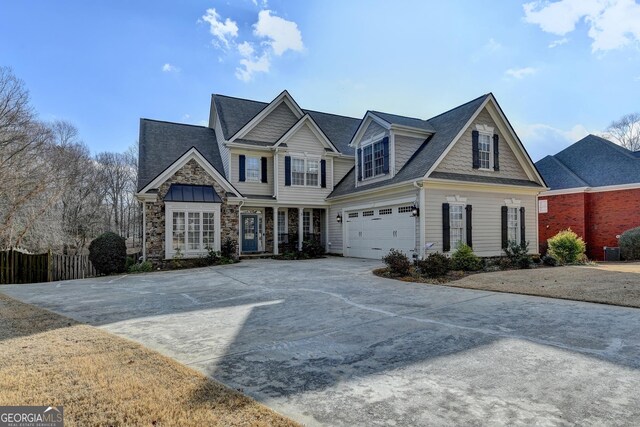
(517,253)
(397,262)
(108,253)
(630,244)
(464,259)
(143,267)
(229,249)
(505,263)
(536,258)
(567,247)
(312,248)
(550,260)
(434,265)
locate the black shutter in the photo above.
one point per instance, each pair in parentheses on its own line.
(496,152)
(241,168)
(385,151)
(359,163)
(469,227)
(287,170)
(263,160)
(476,149)
(323,173)
(446,229)
(505,232)
(523,238)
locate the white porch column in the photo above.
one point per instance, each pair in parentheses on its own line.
(300,228)
(326,230)
(275,230)
(422,220)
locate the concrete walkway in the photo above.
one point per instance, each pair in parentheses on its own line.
(326,342)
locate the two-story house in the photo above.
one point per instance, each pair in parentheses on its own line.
(270,175)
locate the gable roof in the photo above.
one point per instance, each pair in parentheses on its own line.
(412,122)
(162,143)
(235,113)
(446,126)
(591,162)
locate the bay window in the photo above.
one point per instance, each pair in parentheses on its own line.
(192,228)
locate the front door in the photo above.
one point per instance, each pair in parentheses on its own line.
(249,233)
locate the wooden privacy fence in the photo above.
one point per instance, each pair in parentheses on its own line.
(21,267)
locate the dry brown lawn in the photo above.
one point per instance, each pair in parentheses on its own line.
(617,284)
(104,380)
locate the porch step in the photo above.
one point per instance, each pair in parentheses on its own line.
(261,255)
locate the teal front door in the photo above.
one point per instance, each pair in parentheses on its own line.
(249,233)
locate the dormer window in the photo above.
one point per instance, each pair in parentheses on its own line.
(374,158)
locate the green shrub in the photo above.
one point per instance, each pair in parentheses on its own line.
(312,248)
(536,258)
(143,267)
(518,255)
(464,259)
(397,263)
(505,263)
(108,253)
(630,244)
(567,247)
(229,249)
(434,265)
(550,260)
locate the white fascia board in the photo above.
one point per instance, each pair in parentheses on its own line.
(364,123)
(602,189)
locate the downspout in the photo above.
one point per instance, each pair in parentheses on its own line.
(240,227)
(422,220)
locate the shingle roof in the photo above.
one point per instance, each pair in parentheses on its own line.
(192,193)
(234,113)
(446,125)
(412,122)
(162,143)
(591,162)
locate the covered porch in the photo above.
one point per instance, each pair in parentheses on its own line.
(274,230)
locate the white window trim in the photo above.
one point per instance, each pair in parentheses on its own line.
(305,158)
(371,142)
(171,207)
(487,131)
(514,203)
(458,201)
(285,229)
(246,169)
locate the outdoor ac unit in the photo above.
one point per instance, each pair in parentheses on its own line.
(611,254)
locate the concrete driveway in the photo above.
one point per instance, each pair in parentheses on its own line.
(326,342)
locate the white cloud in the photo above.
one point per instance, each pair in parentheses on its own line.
(245,49)
(282,35)
(224,31)
(558,42)
(169,68)
(541,139)
(492,46)
(250,66)
(520,73)
(613,24)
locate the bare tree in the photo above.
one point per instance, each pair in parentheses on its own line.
(626,131)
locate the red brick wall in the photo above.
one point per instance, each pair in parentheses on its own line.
(597,217)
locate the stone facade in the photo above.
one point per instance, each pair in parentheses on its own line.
(191,173)
(268,229)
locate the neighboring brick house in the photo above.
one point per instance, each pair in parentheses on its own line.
(271,174)
(594,190)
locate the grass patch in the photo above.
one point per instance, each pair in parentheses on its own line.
(104,380)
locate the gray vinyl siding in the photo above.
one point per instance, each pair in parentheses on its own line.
(405,147)
(249,188)
(224,151)
(273,126)
(303,141)
(372,130)
(336,228)
(487,231)
(460,158)
(340,168)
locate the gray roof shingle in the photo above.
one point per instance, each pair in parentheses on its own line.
(446,125)
(591,162)
(412,122)
(162,143)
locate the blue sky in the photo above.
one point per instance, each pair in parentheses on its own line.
(559,69)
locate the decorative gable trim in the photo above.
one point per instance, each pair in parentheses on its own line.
(285,98)
(191,154)
(308,120)
(505,127)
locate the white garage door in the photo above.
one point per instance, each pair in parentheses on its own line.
(372,233)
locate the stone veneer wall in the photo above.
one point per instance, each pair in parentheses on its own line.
(191,173)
